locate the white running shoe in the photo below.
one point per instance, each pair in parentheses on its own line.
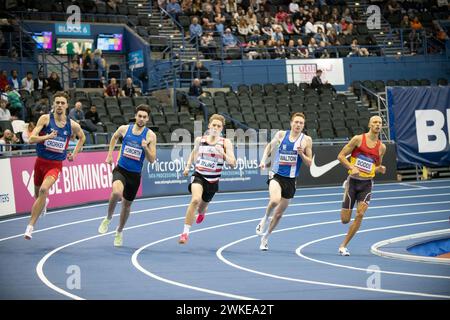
(28,232)
(118,239)
(262,227)
(264,246)
(259,229)
(44,210)
(343,251)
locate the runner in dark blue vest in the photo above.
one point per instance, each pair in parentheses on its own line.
(292,149)
(138,143)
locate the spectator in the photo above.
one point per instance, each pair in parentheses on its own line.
(102,83)
(322,51)
(186,7)
(416,25)
(92,115)
(229,40)
(40,83)
(317,83)
(302,50)
(243,28)
(277,35)
(5,115)
(99,63)
(312,46)
(28,83)
(281,15)
(288,26)
(208,46)
(7,140)
(357,50)
(74,73)
(208,15)
(174,9)
(15,103)
(230,6)
(309,26)
(13,80)
(293,7)
(27,132)
(219,26)
(3,80)
(76,113)
(54,84)
(128,89)
(112,90)
(266,27)
(197,7)
(42,107)
(201,72)
(195,30)
(196,89)
(252,20)
(291,51)
(321,36)
(405,24)
(262,50)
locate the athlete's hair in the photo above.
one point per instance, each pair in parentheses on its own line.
(298,114)
(143,107)
(217,117)
(60,94)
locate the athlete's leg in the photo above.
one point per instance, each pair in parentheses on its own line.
(196,200)
(347,202)
(116,195)
(124,214)
(274,201)
(202,207)
(361,209)
(41,195)
(278,213)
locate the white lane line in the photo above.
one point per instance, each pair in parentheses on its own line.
(233,210)
(415,258)
(136,263)
(421,294)
(413,185)
(303,246)
(80,208)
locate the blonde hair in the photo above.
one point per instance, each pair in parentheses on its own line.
(217,117)
(298,114)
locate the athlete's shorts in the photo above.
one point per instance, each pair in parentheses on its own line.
(356,191)
(130,180)
(288,185)
(44,168)
(209,189)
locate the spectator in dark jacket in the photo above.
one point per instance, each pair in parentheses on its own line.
(53,83)
(92,115)
(196,89)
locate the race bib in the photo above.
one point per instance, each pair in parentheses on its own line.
(288,159)
(55,145)
(132,153)
(207,164)
(364,164)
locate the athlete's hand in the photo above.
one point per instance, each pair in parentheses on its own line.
(354,171)
(52,134)
(70,156)
(381,169)
(262,165)
(186,171)
(144,143)
(109,159)
(220,149)
(300,150)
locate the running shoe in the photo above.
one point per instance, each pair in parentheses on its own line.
(259,229)
(264,246)
(343,251)
(183,238)
(200,218)
(118,239)
(103,228)
(44,210)
(28,232)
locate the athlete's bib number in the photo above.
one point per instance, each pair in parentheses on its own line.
(55,145)
(288,159)
(364,164)
(208,164)
(132,153)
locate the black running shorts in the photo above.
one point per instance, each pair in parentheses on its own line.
(356,191)
(209,189)
(130,180)
(288,185)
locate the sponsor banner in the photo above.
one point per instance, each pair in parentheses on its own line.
(419,119)
(304,70)
(7,201)
(165,176)
(84,180)
(327,170)
(136,59)
(64,29)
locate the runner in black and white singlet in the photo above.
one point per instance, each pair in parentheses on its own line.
(210,152)
(292,149)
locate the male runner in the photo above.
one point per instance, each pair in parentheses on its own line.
(52,135)
(210,152)
(367,153)
(138,143)
(292,149)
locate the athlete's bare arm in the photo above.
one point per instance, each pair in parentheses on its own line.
(120,132)
(228,154)
(348,149)
(270,147)
(76,129)
(380,168)
(305,151)
(42,122)
(149,145)
(192,156)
